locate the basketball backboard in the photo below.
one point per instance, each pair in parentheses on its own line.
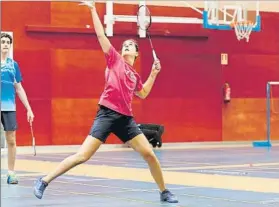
(221,14)
(241,16)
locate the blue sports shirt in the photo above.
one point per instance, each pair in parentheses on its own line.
(10,74)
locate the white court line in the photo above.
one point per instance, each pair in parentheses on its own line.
(249,170)
(222,167)
(268,168)
(133,163)
(142,163)
(76,179)
(129,160)
(91,160)
(271,201)
(123,188)
(24,175)
(116,187)
(236,172)
(222,199)
(30,196)
(101,194)
(118,147)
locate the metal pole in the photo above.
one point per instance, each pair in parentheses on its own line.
(268,111)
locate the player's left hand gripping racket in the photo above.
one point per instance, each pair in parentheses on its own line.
(33,139)
(144,21)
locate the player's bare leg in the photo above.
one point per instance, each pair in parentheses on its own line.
(86,151)
(141,145)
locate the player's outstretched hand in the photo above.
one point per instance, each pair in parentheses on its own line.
(90,4)
(156,67)
(30,116)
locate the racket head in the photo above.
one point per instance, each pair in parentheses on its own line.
(144,19)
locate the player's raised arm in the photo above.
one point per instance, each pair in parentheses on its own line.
(99,29)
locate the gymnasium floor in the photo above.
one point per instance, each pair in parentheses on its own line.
(201,175)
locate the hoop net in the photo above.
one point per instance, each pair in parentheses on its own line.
(242,29)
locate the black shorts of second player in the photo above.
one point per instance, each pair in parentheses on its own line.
(108,121)
(8,119)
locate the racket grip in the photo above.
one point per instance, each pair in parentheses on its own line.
(154,55)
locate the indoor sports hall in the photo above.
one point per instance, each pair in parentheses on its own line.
(215,97)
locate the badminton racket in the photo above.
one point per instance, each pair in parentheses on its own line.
(144,21)
(33,139)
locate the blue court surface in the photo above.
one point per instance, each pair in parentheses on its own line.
(206,176)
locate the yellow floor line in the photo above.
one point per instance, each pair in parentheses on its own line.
(264,185)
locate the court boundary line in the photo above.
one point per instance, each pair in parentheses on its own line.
(139,174)
(121,147)
(96,158)
(224,199)
(101,194)
(222,166)
(107,196)
(24,174)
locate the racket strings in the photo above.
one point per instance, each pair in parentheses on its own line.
(144,18)
(144,21)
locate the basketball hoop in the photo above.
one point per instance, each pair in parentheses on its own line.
(242,29)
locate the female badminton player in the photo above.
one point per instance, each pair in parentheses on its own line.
(115,113)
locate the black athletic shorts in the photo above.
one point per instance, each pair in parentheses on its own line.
(108,121)
(8,119)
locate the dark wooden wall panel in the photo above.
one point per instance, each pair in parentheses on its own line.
(69,13)
(190,119)
(245,119)
(71,119)
(248,74)
(42,124)
(77,73)
(15,15)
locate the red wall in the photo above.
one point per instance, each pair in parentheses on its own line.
(63,69)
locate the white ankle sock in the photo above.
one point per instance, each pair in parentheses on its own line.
(11,172)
